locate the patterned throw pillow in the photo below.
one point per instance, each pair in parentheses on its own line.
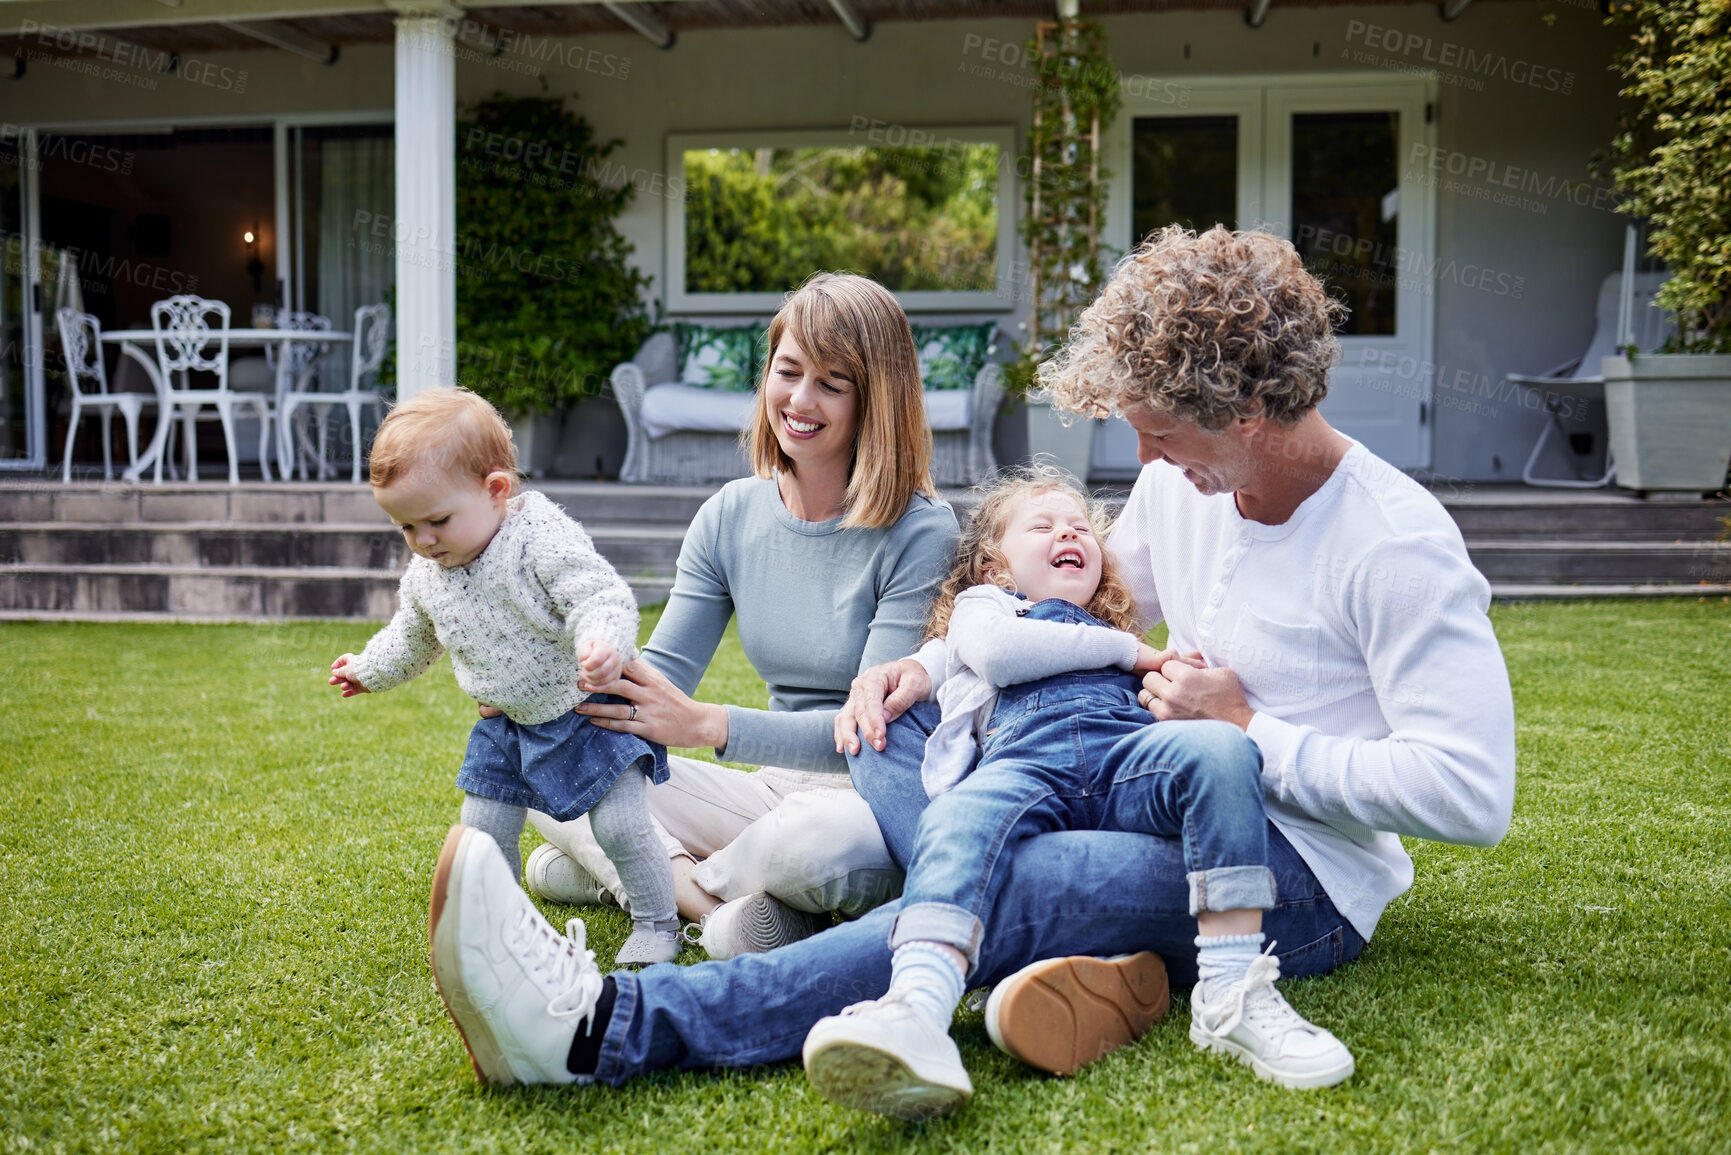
(951,357)
(730,360)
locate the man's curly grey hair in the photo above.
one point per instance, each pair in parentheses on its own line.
(1205,327)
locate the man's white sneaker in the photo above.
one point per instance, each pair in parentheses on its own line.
(1060,1014)
(886,1057)
(553,875)
(753,925)
(517,989)
(1253,1022)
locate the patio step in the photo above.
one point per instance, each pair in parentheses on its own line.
(114,551)
(107,551)
(648,549)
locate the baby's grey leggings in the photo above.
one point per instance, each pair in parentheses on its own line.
(620,821)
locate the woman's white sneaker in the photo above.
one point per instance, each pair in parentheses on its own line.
(888,1058)
(755,924)
(555,876)
(1253,1022)
(517,989)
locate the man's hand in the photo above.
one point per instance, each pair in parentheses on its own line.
(340,676)
(1182,689)
(600,664)
(880,695)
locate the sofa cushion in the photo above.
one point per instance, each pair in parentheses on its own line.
(951,356)
(728,359)
(680,408)
(948,410)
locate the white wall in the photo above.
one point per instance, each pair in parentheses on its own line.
(1535,311)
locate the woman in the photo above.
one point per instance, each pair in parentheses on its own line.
(828,558)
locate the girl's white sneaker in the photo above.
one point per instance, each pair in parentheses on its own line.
(888,1058)
(1253,1022)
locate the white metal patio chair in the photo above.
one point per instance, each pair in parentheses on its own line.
(372,334)
(81,343)
(302,356)
(188,342)
(1577,383)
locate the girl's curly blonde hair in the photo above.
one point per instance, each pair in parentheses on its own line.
(1205,327)
(978,550)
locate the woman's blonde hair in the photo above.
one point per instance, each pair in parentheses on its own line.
(1205,327)
(852,325)
(451,431)
(980,558)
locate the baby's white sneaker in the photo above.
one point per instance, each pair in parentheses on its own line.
(647,946)
(1253,1022)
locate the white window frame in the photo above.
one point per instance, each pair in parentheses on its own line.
(680,302)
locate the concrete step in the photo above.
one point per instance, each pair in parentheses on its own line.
(1519,592)
(1604,519)
(306,503)
(1566,562)
(178,592)
(648,549)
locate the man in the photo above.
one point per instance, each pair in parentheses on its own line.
(1318,599)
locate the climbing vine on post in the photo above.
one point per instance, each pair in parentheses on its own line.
(1074,104)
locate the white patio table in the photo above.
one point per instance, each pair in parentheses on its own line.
(131,340)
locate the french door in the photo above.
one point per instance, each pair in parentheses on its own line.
(22,421)
(1317,160)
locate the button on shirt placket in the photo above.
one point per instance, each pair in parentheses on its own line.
(1217,596)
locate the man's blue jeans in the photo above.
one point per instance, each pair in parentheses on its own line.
(1095,893)
(1076,752)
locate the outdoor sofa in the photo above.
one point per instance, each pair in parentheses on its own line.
(690,390)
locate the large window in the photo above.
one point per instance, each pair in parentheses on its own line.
(924,211)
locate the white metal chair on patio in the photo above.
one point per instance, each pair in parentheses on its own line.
(372,334)
(1576,384)
(185,338)
(81,343)
(302,356)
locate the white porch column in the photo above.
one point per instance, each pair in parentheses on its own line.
(425,230)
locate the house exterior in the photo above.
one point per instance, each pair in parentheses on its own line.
(1437,167)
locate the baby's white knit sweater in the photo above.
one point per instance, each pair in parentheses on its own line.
(512,619)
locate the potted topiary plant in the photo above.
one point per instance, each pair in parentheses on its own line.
(1670,409)
(1065,185)
(547,301)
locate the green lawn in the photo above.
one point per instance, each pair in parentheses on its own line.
(215,879)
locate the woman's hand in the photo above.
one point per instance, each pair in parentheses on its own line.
(879,696)
(657,710)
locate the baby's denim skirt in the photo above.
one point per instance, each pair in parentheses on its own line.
(561,768)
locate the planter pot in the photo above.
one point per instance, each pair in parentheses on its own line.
(1010,434)
(594,441)
(1670,419)
(1071,446)
(537,439)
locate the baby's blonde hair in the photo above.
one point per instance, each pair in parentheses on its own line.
(979,550)
(451,431)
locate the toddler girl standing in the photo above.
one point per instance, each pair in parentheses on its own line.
(533,618)
(1042,694)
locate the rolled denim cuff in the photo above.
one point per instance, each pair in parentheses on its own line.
(939,922)
(1231,888)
